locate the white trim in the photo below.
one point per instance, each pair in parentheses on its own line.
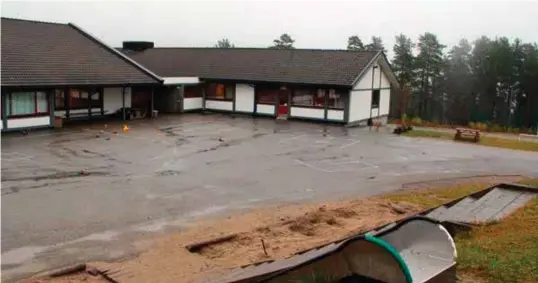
(365,69)
(180,80)
(17,123)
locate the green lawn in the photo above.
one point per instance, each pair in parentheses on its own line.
(484,140)
(506,251)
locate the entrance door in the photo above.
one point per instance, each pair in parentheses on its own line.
(283,103)
(141,103)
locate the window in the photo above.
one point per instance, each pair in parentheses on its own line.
(59,99)
(335,100)
(192,91)
(28,103)
(220,91)
(95,100)
(375,98)
(81,99)
(309,97)
(266,95)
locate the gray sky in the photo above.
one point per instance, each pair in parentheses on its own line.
(313,24)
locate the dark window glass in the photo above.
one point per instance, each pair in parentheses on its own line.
(266,95)
(59,99)
(375,98)
(78,99)
(192,91)
(309,97)
(95,100)
(220,91)
(335,99)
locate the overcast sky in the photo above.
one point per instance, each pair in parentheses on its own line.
(313,24)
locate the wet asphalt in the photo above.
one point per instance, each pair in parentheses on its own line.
(82,194)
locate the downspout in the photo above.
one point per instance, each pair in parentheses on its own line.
(4,116)
(123,103)
(152,104)
(326,106)
(372,89)
(52,96)
(90,92)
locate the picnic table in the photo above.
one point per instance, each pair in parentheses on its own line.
(462,133)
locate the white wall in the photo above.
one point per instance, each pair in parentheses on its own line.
(112,99)
(61,113)
(28,122)
(307,112)
(1,124)
(192,103)
(359,105)
(265,109)
(366,81)
(335,115)
(384,102)
(219,105)
(244,98)
(385,83)
(377,74)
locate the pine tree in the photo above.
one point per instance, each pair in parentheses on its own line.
(355,43)
(283,42)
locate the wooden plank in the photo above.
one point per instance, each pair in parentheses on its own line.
(195,247)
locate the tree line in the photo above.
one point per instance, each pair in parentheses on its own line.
(489,80)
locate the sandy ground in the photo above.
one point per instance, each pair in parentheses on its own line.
(285,230)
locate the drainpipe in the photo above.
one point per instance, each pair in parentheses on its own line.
(123,103)
(4,116)
(52,96)
(152,103)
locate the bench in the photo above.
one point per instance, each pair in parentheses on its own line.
(462,133)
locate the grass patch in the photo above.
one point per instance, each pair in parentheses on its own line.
(504,251)
(484,140)
(435,197)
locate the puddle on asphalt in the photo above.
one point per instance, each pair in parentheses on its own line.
(20,255)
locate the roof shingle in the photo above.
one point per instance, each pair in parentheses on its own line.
(45,54)
(308,66)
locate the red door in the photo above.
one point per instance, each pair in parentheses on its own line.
(283,104)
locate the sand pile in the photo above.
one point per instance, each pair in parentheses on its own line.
(285,230)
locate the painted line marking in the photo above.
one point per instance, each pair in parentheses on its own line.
(370,164)
(350,144)
(290,139)
(312,166)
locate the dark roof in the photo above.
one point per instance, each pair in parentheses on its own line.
(331,67)
(45,54)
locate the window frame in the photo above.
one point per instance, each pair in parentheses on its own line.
(198,91)
(207,89)
(36,113)
(341,94)
(272,90)
(376,105)
(314,93)
(67,96)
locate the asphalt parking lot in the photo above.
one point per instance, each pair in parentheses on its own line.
(82,194)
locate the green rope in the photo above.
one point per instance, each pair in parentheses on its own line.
(394,254)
